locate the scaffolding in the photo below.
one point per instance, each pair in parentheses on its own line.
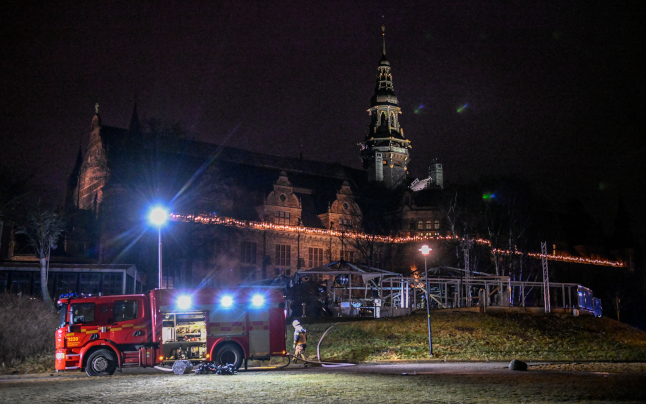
(354,291)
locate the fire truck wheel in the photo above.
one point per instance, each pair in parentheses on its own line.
(229,354)
(101,363)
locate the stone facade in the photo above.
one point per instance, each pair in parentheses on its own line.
(283,214)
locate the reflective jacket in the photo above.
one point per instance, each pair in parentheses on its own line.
(300,335)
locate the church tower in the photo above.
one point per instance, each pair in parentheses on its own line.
(384,150)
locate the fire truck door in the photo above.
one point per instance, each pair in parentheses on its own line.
(129,325)
(258,326)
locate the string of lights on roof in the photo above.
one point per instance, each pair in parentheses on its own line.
(226,221)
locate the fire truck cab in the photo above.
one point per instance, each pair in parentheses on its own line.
(101,334)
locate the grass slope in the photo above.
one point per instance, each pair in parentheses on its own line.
(478,336)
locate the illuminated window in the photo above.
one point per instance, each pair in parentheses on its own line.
(283,254)
(429,225)
(281,217)
(248,252)
(420,225)
(437,224)
(315,257)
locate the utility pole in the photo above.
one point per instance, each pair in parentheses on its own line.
(466,246)
(546,277)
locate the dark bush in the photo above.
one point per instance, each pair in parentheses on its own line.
(27,329)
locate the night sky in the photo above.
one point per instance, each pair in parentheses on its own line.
(549,91)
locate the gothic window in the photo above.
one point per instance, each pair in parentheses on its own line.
(429,225)
(315,257)
(420,225)
(281,217)
(283,254)
(437,224)
(248,252)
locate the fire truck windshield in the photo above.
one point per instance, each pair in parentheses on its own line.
(63,316)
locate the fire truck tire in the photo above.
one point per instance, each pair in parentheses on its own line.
(101,363)
(229,354)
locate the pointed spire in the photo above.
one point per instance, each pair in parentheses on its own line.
(134,121)
(383,37)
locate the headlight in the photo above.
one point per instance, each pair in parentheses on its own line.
(258,300)
(60,355)
(184,302)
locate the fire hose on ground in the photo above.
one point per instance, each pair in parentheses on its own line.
(318,356)
(181,366)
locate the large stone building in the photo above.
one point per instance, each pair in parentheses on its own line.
(283,213)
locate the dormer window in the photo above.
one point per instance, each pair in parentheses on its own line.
(345,223)
(281,217)
(283,198)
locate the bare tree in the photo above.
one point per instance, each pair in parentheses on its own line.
(43,228)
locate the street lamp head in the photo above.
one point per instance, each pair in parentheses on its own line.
(158,216)
(425,250)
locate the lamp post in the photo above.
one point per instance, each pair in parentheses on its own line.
(158,217)
(425,250)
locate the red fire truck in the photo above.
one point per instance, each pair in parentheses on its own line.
(101,334)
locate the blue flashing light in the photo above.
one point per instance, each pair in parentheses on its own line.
(258,300)
(184,302)
(227,301)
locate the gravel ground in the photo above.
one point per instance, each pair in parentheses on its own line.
(442,383)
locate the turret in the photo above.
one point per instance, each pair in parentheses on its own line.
(384,150)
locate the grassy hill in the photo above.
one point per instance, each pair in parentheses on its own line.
(478,336)
(29,347)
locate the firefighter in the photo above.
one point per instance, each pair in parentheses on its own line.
(300,340)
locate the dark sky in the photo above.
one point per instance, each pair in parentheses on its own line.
(553,90)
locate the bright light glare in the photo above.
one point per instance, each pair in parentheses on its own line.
(158,216)
(184,302)
(425,250)
(227,301)
(257,300)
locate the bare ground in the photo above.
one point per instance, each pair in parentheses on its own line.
(367,384)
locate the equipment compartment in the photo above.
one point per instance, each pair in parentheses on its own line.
(184,335)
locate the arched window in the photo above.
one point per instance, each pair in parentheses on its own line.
(437,224)
(429,225)
(420,225)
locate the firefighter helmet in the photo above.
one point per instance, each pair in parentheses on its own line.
(296,323)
